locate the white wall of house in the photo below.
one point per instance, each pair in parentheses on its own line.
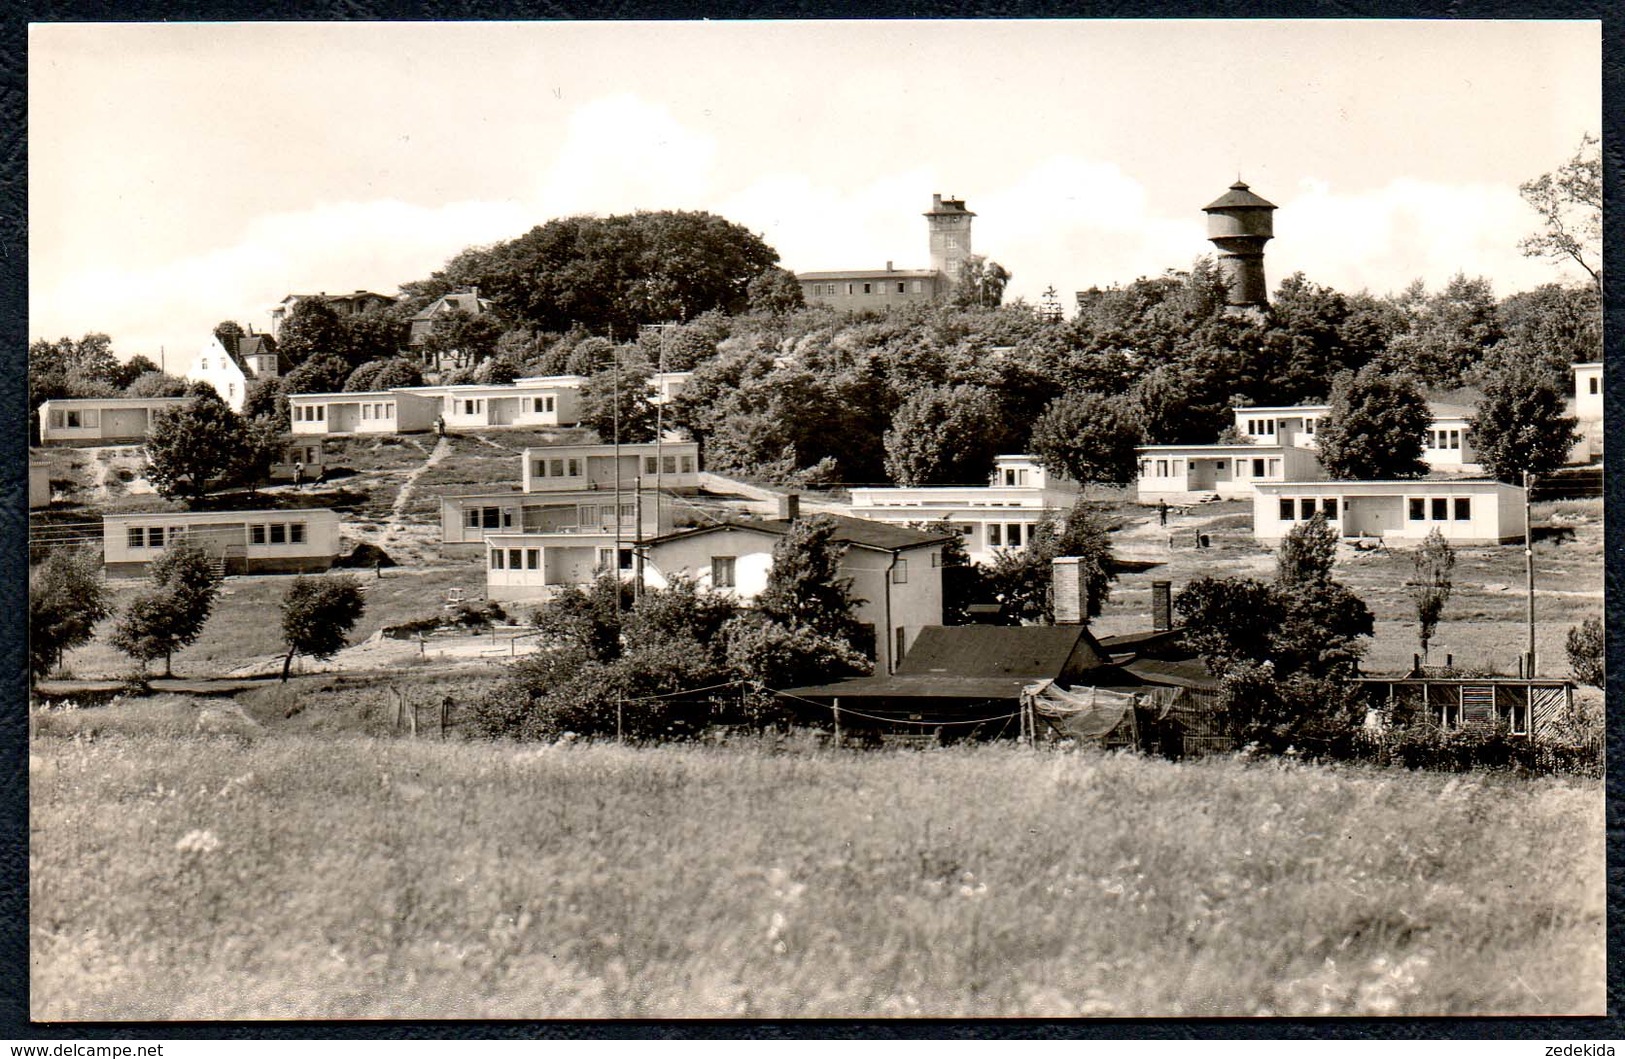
(88,420)
(901,593)
(556,468)
(1447,447)
(1588,392)
(1400,512)
(214,365)
(1185,472)
(374,412)
(531,566)
(39,485)
(269,541)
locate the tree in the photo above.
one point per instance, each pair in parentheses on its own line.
(66,598)
(397,371)
(227,333)
(774,292)
(314,329)
(944,435)
(1088,438)
(1447,334)
(156,384)
(1229,621)
(1307,553)
(462,337)
(1587,647)
(361,379)
(1433,563)
(171,613)
(324,373)
(125,375)
(267,399)
(1375,427)
(496,371)
(805,586)
(318,614)
(1569,201)
(1021,580)
(615,401)
(1520,427)
(981,283)
(193,446)
(377,334)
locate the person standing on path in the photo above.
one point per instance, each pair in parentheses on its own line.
(1162,512)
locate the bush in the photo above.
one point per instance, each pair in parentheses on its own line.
(1478,747)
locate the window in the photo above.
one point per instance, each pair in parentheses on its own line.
(849,288)
(868,288)
(574,467)
(321,413)
(1258,468)
(1450,715)
(1306,508)
(1013,534)
(513,558)
(56,418)
(497,557)
(919,287)
(489,517)
(1418,509)
(279,533)
(1328,507)
(203,363)
(993,535)
(1441,509)
(472,518)
(953,242)
(899,572)
(902,645)
(1518,720)
(899,286)
(177,533)
(389,410)
(468,408)
(688,464)
(1595,385)
(135,537)
(1288,509)
(73,419)
(555,468)
(366,411)
(533,558)
(650,465)
(155,537)
(1464,509)
(296,533)
(1309,425)
(231,389)
(722,571)
(256,534)
(668,464)
(1162,469)
(626,558)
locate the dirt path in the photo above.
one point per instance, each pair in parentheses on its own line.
(442,449)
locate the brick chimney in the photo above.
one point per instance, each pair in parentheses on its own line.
(792,507)
(1066,592)
(1162,617)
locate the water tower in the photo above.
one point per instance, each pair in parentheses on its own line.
(1239,223)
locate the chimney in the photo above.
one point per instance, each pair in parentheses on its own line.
(936,202)
(1066,592)
(792,507)
(1162,618)
(888,267)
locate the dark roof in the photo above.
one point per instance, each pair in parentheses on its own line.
(466,301)
(1019,652)
(1188,673)
(1239,198)
(848,530)
(940,206)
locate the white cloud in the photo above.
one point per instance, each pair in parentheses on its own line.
(622,154)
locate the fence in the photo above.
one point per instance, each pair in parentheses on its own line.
(408,712)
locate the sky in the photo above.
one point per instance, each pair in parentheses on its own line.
(185,174)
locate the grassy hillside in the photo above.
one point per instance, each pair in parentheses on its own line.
(238,874)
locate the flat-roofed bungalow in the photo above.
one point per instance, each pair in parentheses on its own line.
(1185,472)
(100,420)
(1470,511)
(371,412)
(242,542)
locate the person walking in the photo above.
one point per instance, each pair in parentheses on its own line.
(299,475)
(1162,512)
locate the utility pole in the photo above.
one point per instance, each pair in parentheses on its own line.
(637,536)
(615,559)
(1529,567)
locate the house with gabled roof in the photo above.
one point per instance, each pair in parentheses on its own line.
(351,304)
(423,323)
(896,572)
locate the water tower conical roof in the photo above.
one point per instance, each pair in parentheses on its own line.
(1239,197)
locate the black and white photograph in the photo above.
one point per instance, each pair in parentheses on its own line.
(967,519)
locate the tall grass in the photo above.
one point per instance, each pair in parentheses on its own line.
(250,876)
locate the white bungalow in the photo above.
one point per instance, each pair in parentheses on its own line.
(671,466)
(99,420)
(1587,408)
(1465,511)
(253,542)
(466,522)
(1446,446)
(372,412)
(1281,424)
(538,401)
(999,516)
(1182,473)
(665,386)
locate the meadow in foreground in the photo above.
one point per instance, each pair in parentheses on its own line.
(299,876)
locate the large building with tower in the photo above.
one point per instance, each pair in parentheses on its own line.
(949,224)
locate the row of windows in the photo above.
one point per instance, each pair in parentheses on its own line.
(1444,439)
(1419,508)
(1303,508)
(1439,508)
(1264,426)
(1246,467)
(570,466)
(873,287)
(669,464)
(509,559)
(542,404)
(378,410)
(1004,536)
(259,533)
(74,418)
(587,515)
(310,413)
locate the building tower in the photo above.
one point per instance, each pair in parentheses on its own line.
(950,235)
(1239,223)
